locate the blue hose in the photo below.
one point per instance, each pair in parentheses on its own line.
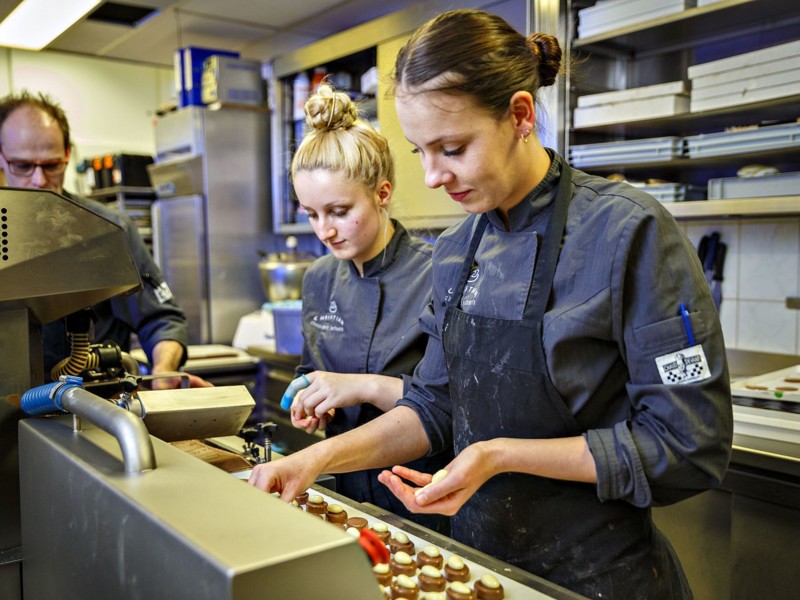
(47,398)
(295,386)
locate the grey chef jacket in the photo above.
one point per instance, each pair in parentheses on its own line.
(370,324)
(151,313)
(624,268)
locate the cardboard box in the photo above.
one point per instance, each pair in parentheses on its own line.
(648,91)
(788,65)
(740,61)
(626,16)
(746,86)
(633,110)
(234,80)
(746,96)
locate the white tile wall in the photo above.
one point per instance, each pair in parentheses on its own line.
(762,268)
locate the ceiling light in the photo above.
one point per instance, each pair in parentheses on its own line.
(36,23)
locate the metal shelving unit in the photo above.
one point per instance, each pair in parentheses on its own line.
(660,49)
(133,201)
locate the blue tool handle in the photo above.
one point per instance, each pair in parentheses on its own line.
(295,386)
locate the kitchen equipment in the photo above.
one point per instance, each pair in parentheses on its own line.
(782,385)
(212,181)
(47,240)
(282,272)
(183,529)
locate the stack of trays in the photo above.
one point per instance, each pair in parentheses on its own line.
(606,15)
(626,151)
(780,184)
(751,77)
(664,192)
(636,104)
(745,140)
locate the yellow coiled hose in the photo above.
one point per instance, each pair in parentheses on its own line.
(79,360)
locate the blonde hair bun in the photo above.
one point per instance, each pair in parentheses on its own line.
(328,110)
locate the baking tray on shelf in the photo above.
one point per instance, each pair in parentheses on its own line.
(746,140)
(779,184)
(782,385)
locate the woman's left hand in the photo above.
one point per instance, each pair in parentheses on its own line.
(465,474)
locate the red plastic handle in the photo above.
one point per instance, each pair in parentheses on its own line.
(373,546)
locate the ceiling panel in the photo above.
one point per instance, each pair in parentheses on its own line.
(245,26)
(158,38)
(89,38)
(277,14)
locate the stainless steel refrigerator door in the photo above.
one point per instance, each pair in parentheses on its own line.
(179,248)
(237,204)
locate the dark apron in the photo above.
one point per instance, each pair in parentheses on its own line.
(350,354)
(555,529)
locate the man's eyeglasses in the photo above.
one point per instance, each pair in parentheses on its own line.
(26,168)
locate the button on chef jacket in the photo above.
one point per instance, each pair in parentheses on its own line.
(370,324)
(624,268)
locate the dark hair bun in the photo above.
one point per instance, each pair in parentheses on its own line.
(548,51)
(327,110)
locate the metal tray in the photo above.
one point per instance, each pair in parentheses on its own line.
(783,385)
(748,140)
(626,151)
(780,184)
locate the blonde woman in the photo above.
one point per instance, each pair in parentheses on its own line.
(362,302)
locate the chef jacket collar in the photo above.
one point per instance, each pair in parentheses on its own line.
(523,216)
(386,257)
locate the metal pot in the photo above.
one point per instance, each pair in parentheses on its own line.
(282,273)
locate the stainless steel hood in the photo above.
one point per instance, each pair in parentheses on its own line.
(58,256)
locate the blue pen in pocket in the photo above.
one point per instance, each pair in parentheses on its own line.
(687,324)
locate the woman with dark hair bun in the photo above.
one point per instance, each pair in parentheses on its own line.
(575,359)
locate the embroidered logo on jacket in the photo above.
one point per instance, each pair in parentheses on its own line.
(330,322)
(470,290)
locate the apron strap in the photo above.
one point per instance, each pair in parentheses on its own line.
(539,292)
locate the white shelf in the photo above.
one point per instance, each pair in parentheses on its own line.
(778,206)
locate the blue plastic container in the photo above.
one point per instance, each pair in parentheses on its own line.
(288,329)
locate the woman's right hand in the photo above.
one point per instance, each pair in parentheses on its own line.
(290,475)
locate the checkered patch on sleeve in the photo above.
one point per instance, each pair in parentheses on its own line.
(684,366)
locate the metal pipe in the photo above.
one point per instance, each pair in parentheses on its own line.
(129,430)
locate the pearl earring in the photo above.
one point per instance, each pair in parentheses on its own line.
(524,135)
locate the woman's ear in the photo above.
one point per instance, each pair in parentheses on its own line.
(384,194)
(523,112)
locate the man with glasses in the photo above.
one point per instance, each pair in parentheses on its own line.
(34,153)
